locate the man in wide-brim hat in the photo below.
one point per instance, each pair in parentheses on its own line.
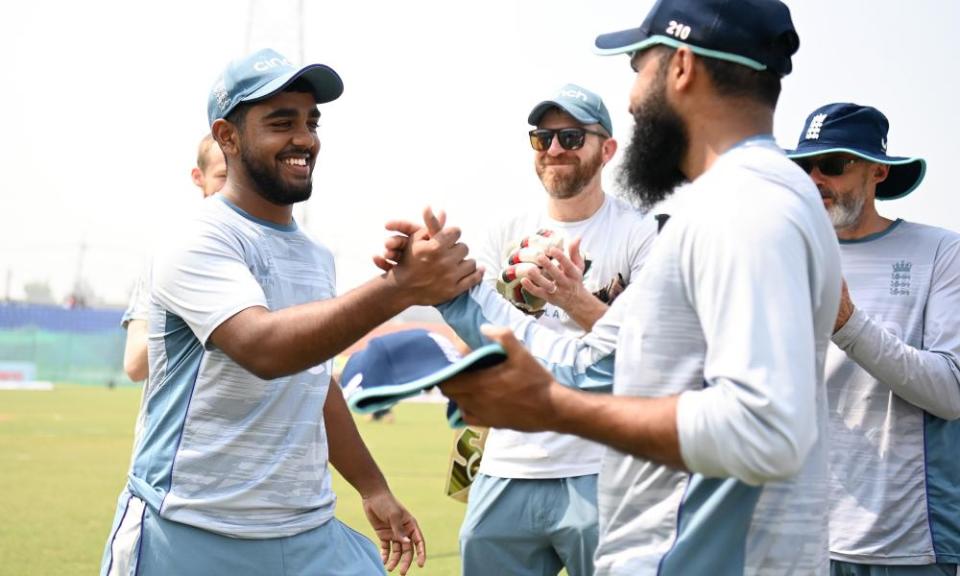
(893,375)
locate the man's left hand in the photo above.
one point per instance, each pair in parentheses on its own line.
(846,308)
(398,532)
(559,278)
(559,281)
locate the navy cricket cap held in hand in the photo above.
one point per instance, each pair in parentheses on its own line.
(403,364)
(758,34)
(861,131)
(261,75)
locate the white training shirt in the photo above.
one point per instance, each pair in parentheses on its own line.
(615,240)
(733,311)
(893,378)
(222,449)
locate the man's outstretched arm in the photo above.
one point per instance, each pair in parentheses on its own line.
(521,394)
(271,344)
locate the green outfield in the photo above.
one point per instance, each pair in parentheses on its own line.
(64,454)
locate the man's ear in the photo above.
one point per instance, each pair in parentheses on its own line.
(682,69)
(607,151)
(227,136)
(197,176)
(880,172)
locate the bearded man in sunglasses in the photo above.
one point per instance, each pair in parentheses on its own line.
(532,508)
(893,371)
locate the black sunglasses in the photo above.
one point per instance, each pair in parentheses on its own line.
(828,166)
(569,138)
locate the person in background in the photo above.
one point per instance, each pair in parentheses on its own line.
(532,508)
(209,175)
(893,371)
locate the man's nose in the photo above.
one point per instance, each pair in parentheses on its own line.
(555,148)
(818,178)
(304,136)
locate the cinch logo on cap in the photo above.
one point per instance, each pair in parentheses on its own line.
(816,123)
(575,94)
(264,65)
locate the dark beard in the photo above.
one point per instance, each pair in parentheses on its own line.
(650,170)
(270,186)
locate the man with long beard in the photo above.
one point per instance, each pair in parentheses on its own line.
(532,508)
(893,376)
(230,475)
(716,460)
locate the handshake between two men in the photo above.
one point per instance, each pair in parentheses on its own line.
(432,257)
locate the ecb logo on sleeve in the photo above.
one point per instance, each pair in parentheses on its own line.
(900,278)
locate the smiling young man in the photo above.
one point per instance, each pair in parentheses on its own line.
(230,475)
(716,459)
(893,373)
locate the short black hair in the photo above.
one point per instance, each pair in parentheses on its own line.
(238,116)
(739,81)
(731,79)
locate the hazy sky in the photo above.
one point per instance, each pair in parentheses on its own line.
(105,101)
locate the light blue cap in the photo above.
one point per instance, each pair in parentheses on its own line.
(263,74)
(585,106)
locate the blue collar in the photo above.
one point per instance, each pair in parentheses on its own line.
(755,139)
(291,227)
(875,235)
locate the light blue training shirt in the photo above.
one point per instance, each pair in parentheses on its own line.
(222,449)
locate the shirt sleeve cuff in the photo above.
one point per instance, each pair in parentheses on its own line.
(695,447)
(848,334)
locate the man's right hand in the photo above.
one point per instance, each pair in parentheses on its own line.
(431,264)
